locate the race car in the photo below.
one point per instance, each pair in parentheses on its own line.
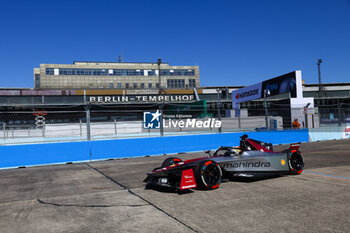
(250,159)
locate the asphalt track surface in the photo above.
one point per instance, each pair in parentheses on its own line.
(109,196)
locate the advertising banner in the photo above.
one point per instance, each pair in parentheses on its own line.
(281,84)
(290,82)
(247,93)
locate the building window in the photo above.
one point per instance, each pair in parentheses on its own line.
(119,72)
(119,85)
(37,80)
(176,83)
(128,72)
(157,85)
(111,85)
(149,85)
(92,72)
(192,83)
(142,85)
(50,71)
(126,85)
(177,72)
(152,73)
(135,85)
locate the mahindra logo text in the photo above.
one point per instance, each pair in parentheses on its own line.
(246,164)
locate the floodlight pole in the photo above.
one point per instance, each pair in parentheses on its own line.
(319,78)
(88,130)
(219,108)
(159,78)
(161,119)
(339,113)
(306,120)
(266,111)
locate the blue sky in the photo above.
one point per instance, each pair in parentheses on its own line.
(233,42)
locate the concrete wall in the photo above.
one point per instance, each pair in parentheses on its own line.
(327,133)
(51,153)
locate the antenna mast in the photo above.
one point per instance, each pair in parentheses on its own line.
(120,58)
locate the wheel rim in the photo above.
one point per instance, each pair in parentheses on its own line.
(211,174)
(296,161)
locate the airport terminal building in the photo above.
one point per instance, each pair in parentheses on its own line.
(115,75)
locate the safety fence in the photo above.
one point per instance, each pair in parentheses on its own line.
(100,122)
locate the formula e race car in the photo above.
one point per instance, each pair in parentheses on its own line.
(250,159)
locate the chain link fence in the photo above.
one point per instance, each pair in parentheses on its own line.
(107,123)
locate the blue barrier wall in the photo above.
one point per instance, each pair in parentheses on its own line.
(167,145)
(45,153)
(49,153)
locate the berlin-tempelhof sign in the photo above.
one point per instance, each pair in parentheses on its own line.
(141,98)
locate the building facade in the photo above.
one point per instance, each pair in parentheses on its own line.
(115,75)
(18,98)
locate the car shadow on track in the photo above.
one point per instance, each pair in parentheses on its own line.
(256,178)
(168,189)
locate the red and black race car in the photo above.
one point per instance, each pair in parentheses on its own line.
(250,159)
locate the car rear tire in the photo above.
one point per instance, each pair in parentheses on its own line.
(295,163)
(208,175)
(170,161)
